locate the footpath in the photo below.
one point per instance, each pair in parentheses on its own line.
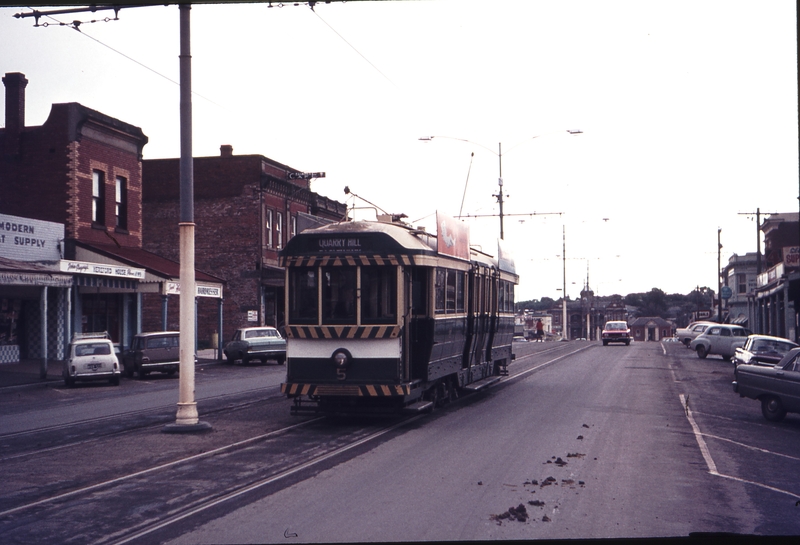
(28,371)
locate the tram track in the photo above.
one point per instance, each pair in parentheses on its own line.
(168,480)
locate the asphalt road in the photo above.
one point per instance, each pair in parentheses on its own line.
(599,444)
(591,442)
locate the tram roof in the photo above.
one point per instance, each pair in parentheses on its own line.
(355,237)
(376,238)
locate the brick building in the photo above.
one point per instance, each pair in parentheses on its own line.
(80,170)
(246,209)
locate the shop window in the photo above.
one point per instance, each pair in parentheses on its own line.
(121,206)
(279,231)
(268,228)
(98,197)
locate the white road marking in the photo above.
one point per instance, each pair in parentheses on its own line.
(712,467)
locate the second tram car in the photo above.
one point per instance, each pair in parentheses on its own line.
(383,317)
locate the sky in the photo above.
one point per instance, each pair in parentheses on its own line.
(687,112)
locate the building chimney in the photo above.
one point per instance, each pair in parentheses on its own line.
(15,83)
(226,150)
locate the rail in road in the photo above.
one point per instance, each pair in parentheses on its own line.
(124,481)
(127,481)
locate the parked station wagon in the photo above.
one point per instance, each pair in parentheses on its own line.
(256,343)
(154,351)
(91,356)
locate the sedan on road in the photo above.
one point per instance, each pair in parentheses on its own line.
(720,339)
(762,350)
(256,343)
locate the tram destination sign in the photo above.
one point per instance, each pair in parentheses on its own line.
(347,243)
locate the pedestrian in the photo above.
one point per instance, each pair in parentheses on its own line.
(539,331)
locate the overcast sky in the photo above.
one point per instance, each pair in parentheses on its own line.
(688,112)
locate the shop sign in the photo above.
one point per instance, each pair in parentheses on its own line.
(25,239)
(34,279)
(791,257)
(201,290)
(100,269)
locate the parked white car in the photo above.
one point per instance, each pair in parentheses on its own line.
(91,356)
(720,339)
(687,334)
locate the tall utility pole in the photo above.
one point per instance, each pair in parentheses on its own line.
(719,276)
(186,419)
(564,329)
(757,214)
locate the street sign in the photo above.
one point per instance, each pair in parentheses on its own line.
(726,292)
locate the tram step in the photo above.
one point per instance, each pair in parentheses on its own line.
(481,384)
(419,406)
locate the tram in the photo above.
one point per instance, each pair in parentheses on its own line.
(382,317)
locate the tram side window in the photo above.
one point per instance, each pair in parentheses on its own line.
(302,296)
(441,280)
(460,283)
(501,294)
(339,295)
(419,291)
(449,291)
(378,295)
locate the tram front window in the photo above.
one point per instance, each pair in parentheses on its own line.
(378,295)
(339,295)
(303,296)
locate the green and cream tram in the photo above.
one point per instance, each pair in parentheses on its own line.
(382,317)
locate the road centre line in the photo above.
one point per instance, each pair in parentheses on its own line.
(712,467)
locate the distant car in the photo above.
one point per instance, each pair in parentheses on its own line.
(720,339)
(256,343)
(91,356)
(762,350)
(777,387)
(687,334)
(616,332)
(154,351)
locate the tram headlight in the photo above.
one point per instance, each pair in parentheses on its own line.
(341,358)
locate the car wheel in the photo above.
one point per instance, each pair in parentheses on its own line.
(281,361)
(114,380)
(69,381)
(701,351)
(686,342)
(141,373)
(726,358)
(129,371)
(605,343)
(245,361)
(229,359)
(772,409)
(627,343)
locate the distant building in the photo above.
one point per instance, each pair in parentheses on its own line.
(777,292)
(740,276)
(651,329)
